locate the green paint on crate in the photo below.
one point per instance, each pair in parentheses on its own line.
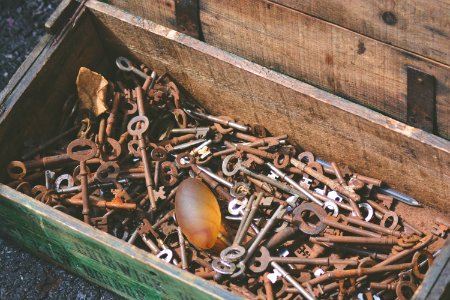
(95,255)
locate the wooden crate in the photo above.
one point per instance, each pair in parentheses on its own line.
(409,159)
(360,50)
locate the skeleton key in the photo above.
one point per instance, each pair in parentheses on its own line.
(135,130)
(238,189)
(202,149)
(143,230)
(239,167)
(294,184)
(236,207)
(82,157)
(49,179)
(167,253)
(158,155)
(220,121)
(101,223)
(125,65)
(63,181)
(200,132)
(235,252)
(259,237)
(183,146)
(261,263)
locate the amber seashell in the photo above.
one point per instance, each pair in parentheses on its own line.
(197,213)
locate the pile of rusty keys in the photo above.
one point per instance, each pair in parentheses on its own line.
(289,226)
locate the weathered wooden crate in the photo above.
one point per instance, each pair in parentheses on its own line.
(361,50)
(410,160)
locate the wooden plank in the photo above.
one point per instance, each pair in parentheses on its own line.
(61,14)
(42,85)
(182,15)
(98,257)
(346,63)
(420,26)
(351,65)
(95,255)
(159,11)
(409,159)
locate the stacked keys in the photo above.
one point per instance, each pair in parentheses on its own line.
(223,199)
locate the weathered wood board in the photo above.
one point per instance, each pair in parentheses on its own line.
(159,11)
(409,159)
(419,26)
(348,64)
(361,66)
(30,106)
(95,255)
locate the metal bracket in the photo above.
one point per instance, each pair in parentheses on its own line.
(421,100)
(187,18)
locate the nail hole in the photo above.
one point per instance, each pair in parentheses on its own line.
(389,18)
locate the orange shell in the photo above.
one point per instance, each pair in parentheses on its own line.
(197,213)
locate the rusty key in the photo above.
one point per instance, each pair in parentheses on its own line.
(159,155)
(326,180)
(261,263)
(136,130)
(82,157)
(125,65)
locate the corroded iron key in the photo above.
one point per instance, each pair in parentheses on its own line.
(88,151)
(261,263)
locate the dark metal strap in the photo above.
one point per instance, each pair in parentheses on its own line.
(187,18)
(421,100)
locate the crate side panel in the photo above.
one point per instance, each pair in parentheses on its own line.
(341,61)
(32,109)
(409,159)
(159,11)
(420,26)
(96,255)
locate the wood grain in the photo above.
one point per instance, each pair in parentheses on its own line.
(30,105)
(363,68)
(348,64)
(31,109)
(409,159)
(97,256)
(420,26)
(159,11)
(61,14)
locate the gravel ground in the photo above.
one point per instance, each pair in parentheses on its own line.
(22,275)
(21,26)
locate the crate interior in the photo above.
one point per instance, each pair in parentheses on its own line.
(330,127)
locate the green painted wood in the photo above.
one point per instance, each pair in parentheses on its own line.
(95,255)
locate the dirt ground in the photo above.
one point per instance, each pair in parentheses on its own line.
(22,275)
